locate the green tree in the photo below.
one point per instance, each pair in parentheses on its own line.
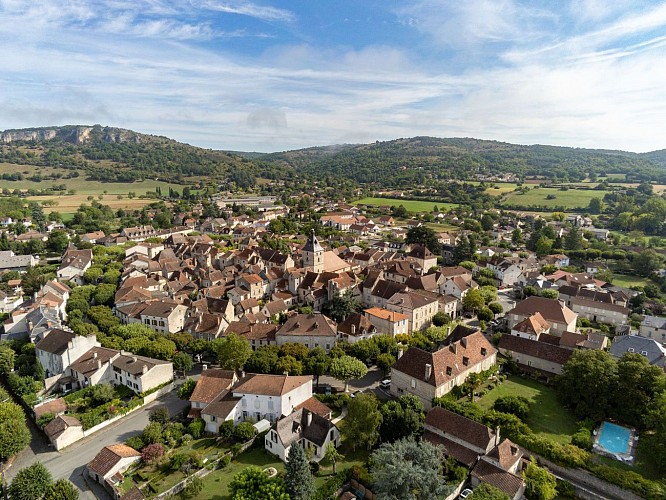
(159,414)
(244,432)
(317,363)
(485,491)
(363,420)
(289,365)
(57,241)
(587,383)
(263,360)
(346,368)
(298,478)
(550,293)
(402,418)
(182,362)
(232,351)
(485,314)
(102,393)
(573,240)
(7,358)
(543,246)
(62,489)
(332,456)
(473,300)
(424,235)
(595,206)
(385,361)
(30,483)
(638,384)
(252,483)
(472,383)
(152,433)
(408,470)
(14,432)
(647,262)
(341,306)
(441,318)
(540,484)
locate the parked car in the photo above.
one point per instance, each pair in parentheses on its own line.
(385,384)
(464,494)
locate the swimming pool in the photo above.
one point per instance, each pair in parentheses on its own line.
(614,438)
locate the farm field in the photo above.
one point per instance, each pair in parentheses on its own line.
(628,281)
(502,187)
(547,416)
(70,204)
(410,205)
(573,198)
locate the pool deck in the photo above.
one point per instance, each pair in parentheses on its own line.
(628,457)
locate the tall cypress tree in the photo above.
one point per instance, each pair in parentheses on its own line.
(298,479)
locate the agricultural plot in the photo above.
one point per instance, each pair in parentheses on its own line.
(410,205)
(552,198)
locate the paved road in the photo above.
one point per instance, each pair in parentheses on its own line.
(70,462)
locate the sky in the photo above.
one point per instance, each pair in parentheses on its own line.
(278,75)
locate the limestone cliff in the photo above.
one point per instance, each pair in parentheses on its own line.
(75,134)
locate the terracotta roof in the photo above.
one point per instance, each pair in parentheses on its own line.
(460,427)
(134,364)
(551,310)
(222,406)
(109,457)
(410,300)
(506,454)
(211,384)
(356,324)
(56,407)
(295,426)
(270,385)
(535,324)
(309,324)
(386,314)
(133,494)
(446,363)
(315,406)
(499,478)
(534,348)
(93,359)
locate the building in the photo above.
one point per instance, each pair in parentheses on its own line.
(63,430)
(74,264)
(12,262)
(560,317)
(433,374)
(306,428)
(600,312)
(653,327)
(110,463)
(388,322)
(416,307)
(534,356)
(210,385)
(650,348)
(313,254)
(60,348)
(166,317)
(312,330)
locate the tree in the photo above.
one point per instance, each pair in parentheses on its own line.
(440,319)
(152,433)
(14,432)
(232,351)
(182,362)
(244,432)
(333,456)
(402,418)
(252,483)
(289,365)
(485,491)
(587,383)
(424,235)
(543,246)
(341,306)
(473,300)
(30,483)
(7,357)
(573,240)
(317,363)
(407,470)
(295,350)
(473,382)
(62,489)
(540,484)
(647,262)
(346,368)
(152,453)
(516,405)
(485,314)
(638,384)
(385,361)
(496,308)
(186,390)
(595,206)
(102,393)
(298,478)
(263,360)
(159,414)
(363,420)
(193,487)
(550,293)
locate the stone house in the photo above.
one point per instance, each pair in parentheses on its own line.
(419,309)
(312,330)
(535,356)
(303,427)
(560,317)
(387,322)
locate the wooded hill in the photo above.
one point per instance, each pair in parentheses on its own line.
(119,155)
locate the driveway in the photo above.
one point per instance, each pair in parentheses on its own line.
(70,462)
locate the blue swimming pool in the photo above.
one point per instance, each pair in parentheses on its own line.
(614,438)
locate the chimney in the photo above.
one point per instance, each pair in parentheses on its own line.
(497,435)
(94,355)
(309,419)
(448,331)
(144,369)
(30,326)
(242,373)
(133,359)
(353,329)
(428,371)
(99,364)
(453,347)
(401,351)
(463,342)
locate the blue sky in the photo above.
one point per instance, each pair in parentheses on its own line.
(276,75)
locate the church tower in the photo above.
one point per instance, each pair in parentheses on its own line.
(313,254)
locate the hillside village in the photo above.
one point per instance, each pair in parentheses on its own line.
(440,316)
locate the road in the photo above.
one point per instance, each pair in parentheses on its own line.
(70,462)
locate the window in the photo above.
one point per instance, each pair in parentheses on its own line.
(270,404)
(244,415)
(244,403)
(213,418)
(484,351)
(529,363)
(644,353)
(413,384)
(449,370)
(256,402)
(465,360)
(631,349)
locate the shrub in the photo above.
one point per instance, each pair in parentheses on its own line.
(244,432)
(582,439)
(629,480)
(224,461)
(334,401)
(177,461)
(226,429)
(135,442)
(44,420)
(185,439)
(152,453)
(196,428)
(516,405)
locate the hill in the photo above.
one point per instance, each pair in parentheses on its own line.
(119,155)
(405,162)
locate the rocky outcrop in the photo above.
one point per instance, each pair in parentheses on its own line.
(75,134)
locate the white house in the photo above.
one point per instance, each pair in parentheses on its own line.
(311,431)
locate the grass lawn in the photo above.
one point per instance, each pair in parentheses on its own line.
(547,417)
(573,198)
(410,205)
(628,281)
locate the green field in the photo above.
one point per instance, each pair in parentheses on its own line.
(573,198)
(497,188)
(410,205)
(547,416)
(628,281)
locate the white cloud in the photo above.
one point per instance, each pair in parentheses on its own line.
(251,9)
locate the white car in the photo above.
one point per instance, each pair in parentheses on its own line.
(385,384)
(464,494)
